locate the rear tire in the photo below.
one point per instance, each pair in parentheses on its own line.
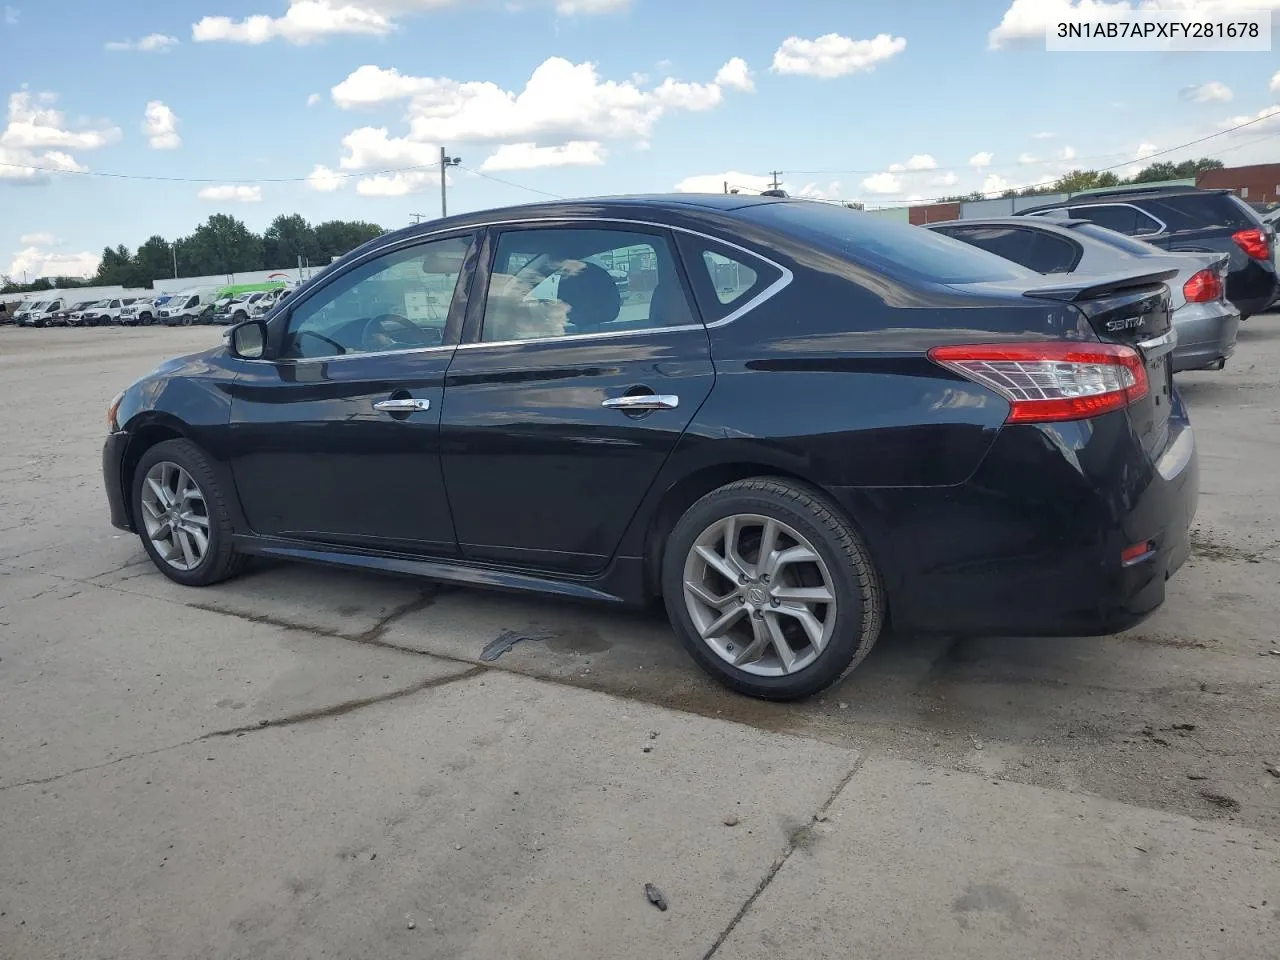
(787,625)
(180,513)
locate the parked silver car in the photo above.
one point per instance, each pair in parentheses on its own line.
(1205,320)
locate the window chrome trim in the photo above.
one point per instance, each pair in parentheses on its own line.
(1164,227)
(784,280)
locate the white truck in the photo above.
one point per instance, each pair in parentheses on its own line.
(39,313)
(101,312)
(140,312)
(184,309)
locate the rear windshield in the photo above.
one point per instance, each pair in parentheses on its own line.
(1199,211)
(896,248)
(1130,245)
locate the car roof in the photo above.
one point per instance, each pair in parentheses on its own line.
(1056,223)
(1120,194)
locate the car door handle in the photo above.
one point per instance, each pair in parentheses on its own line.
(643,401)
(403,405)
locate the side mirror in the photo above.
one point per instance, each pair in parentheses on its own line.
(248,340)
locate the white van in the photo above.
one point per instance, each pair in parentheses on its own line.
(40,313)
(184,308)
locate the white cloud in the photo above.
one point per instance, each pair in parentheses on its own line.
(310,21)
(1067,154)
(34,261)
(561,102)
(897,168)
(1265,115)
(151,43)
(11,15)
(994,183)
(1275,82)
(161,127)
(1026,158)
(1025,20)
(1144,150)
(1043,135)
(529,156)
(948,179)
(983,159)
(714,183)
(324,179)
(882,183)
(396,184)
(921,161)
(1211,92)
(232,192)
(736,75)
(313,99)
(833,55)
(37,239)
(372,147)
(35,140)
(571,8)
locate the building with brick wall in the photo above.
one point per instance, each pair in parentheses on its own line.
(1258,183)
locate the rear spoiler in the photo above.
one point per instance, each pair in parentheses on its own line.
(1088,288)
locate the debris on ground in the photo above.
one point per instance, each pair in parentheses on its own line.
(1183,726)
(506,640)
(821,817)
(1220,800)
(1196,776)
(646,749)
(655,896)
(410,924)
(653,734)
(731,821)
(1273,769)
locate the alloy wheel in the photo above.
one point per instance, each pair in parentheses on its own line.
(759,595)
(175,515)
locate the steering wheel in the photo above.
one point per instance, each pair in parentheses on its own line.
(376,333)
(338,348)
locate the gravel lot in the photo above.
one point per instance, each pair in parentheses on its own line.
(305,763)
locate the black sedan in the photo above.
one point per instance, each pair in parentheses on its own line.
(794,423)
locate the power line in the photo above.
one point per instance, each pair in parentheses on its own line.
(518,186)
(220,180)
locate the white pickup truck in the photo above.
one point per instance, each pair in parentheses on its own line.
(101,312)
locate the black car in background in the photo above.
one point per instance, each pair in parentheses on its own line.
(795,424)
(1188,219)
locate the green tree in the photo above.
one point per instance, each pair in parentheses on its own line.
(336,237)
(115,267)
(289,237)
(222,244)
(153,260)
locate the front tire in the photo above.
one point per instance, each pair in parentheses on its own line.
(771,590)
(181,516)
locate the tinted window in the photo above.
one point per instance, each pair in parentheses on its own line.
(1122,218)
(398,301)
(730,278)
(556,283)
(898,249)
(1036,250)
(1126,244)
(1199,211)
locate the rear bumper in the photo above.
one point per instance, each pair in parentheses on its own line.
(113,451)
(1252,287)
(1031,545)
(1206,334)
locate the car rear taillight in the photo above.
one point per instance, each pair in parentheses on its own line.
(1051,381)
(1203,287)
(1255,243)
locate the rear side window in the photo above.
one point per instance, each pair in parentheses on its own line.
(898,249)
(1200,211)
(1121,217)
(724,278)
(1126,244)
(1036,250)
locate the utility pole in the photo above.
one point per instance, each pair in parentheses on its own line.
(446,162)
(726,186)
(417,217)
(776,183)
(174,247)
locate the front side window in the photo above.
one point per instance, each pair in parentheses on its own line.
(573,282)
(397,301)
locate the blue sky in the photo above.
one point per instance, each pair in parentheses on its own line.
(878,102)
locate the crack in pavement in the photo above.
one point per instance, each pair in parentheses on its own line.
(801,836)
(291,720)
(339,709)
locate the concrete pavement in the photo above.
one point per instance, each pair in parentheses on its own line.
(305,763)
